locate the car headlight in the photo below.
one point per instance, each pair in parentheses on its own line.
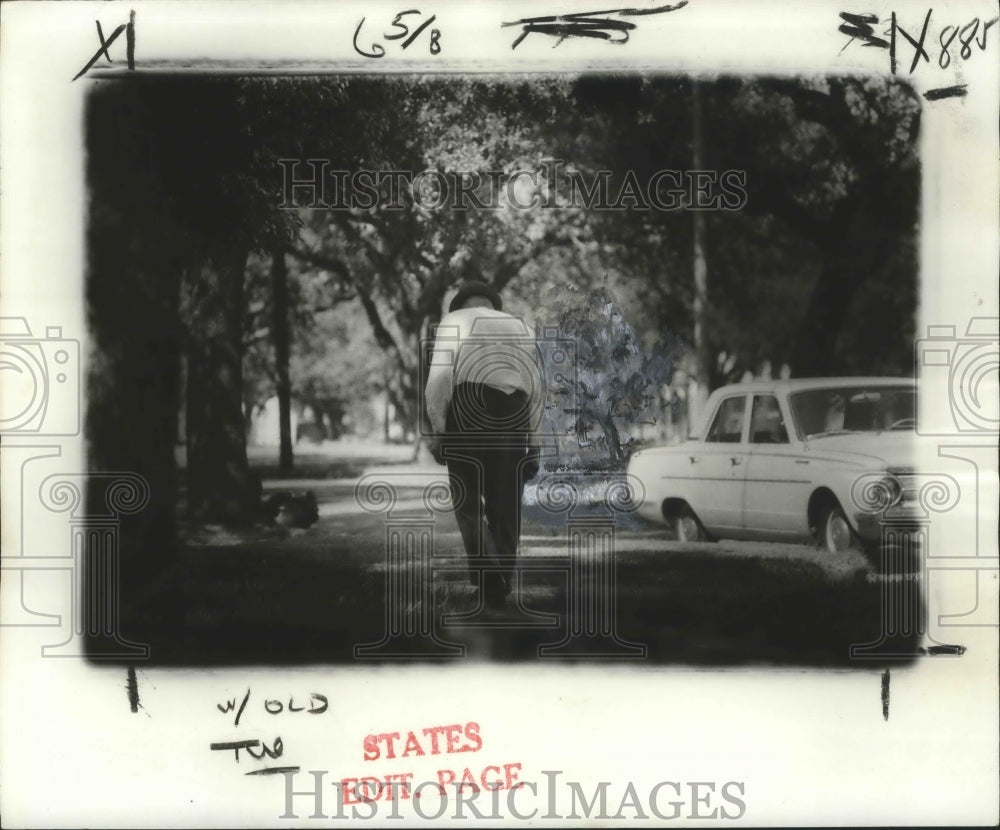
(877,493)
(894,490)
(906,480)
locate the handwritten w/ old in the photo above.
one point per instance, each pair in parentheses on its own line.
(315,704)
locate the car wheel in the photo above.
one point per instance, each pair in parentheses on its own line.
(835,532)
(687,526)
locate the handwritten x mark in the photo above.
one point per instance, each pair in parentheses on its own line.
(586,24)
(129,29)
(103,50)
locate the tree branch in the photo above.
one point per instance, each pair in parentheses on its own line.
(513,266)
(382,335)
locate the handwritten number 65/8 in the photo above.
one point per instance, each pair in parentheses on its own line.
(401,30)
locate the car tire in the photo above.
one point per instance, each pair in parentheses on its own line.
(687,526)
(834,532)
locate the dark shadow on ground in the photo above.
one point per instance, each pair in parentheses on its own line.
(297,602)
(274,596)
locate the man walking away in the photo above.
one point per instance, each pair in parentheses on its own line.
(484,399)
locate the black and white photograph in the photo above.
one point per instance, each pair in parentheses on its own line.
(602,393)
(700,294)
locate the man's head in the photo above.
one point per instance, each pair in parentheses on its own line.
(475,294)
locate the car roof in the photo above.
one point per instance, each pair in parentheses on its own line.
(803,384)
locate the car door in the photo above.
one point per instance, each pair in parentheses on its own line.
(718,466)
(778,483)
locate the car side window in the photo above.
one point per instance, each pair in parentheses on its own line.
(727,428)
(766,424)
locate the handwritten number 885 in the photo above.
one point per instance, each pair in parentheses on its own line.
(966,37)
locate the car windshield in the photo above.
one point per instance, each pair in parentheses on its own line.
(853,409)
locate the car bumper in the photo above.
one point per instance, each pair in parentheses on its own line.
(903,519)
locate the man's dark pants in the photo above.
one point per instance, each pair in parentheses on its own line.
(485,449)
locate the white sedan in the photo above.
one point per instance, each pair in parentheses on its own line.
(788,460)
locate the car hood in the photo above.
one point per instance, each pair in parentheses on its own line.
(896,448)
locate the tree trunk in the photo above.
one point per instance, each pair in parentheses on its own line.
(385,406)
(131,422)
(614,441)
(282,350)
(248,413)
(220,487)
(854,253)
(331,422)
(814,352)
(403,395)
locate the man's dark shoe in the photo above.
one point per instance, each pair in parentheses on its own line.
(495,601)
(495,592)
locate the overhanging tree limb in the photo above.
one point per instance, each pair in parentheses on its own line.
(382,335)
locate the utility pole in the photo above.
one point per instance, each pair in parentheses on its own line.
(703,366)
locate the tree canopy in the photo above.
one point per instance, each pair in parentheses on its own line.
(808,242)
